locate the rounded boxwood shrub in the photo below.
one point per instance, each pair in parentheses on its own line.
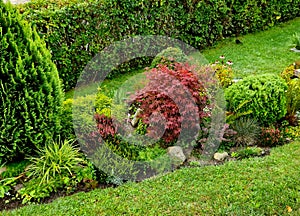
(30,89)
(263,97)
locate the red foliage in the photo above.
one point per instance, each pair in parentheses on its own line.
(105,126)
(176,93)
(271,136)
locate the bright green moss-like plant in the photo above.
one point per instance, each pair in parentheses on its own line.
(30,90)
(267,96)
(247,152)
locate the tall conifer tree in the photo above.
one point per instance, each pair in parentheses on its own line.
(30,89)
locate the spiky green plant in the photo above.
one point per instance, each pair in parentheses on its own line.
(247,131)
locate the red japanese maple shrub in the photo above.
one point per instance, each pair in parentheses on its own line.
(172,94)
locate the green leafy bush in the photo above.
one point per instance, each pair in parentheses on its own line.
(293,133)
(169,56)
(103,104)
(100,104)
(30,90)
(223,72)
(266,94)
(247,152)
(76,30)
(288,73)
(293,101)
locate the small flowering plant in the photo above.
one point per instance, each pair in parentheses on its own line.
(223,71)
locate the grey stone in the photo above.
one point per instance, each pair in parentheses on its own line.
(135,120)
(176,153)
(220,156)
(297,73)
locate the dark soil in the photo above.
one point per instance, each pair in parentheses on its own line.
(11,202)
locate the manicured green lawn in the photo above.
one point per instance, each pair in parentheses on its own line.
(257,186)
(262,52)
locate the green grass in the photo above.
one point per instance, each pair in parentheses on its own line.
(261,52)
(257,186)
(108,86)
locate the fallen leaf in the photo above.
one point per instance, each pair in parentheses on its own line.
(289,209)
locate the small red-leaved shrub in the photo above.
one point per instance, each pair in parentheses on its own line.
(172,93)
(105,126)
(271,136)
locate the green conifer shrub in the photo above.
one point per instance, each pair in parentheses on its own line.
(30,90)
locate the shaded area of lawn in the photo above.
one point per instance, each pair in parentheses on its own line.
(257,186)
(261,52)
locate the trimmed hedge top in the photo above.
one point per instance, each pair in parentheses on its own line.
(76,30)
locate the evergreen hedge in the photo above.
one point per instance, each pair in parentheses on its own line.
(76,30)
(30,90)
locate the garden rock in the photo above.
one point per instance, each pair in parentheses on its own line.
(297,73)
(176,153)
(220,156)
(135,119)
